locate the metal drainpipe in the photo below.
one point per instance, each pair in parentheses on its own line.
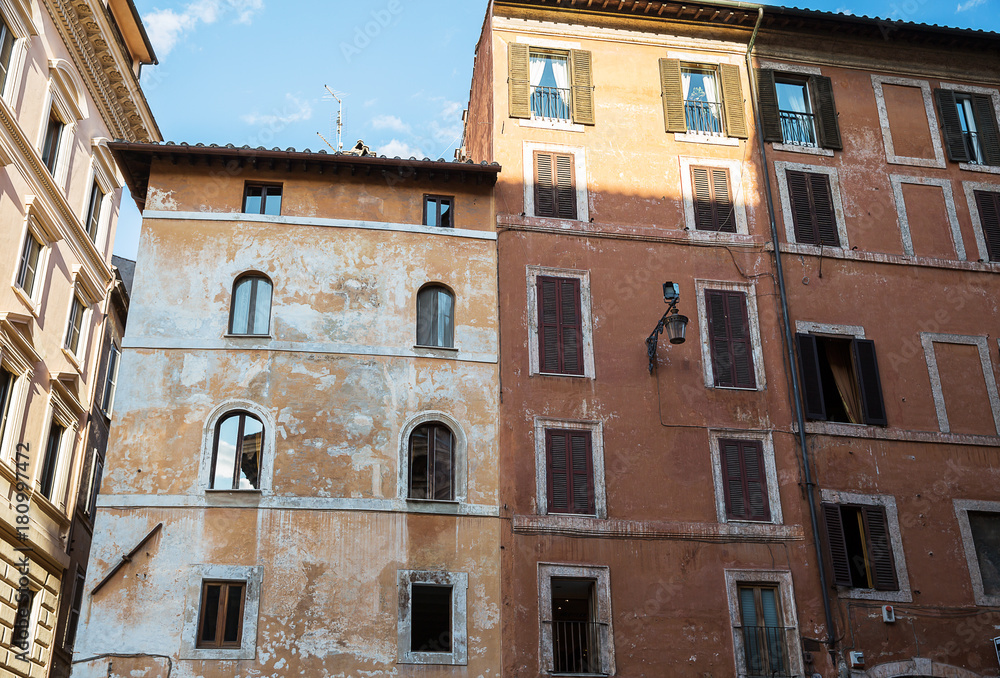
(786,323)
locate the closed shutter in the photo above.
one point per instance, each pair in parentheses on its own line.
(837,545)
(767,97)
(869,382)
(565,187)
(560,325)
(722,197)
(518,81)
(989,217)
(986,123)
(813,215)
(822,202)
(713,203)
(582,100)
(729,338)
(826,113)
(545,185)
(812,381)
(555,185)
(732,479)
(672,92)
(732,99)
(883,565)
(954,141)
(744,480)
(570,472)
(802,216)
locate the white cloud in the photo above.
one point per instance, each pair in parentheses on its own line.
(295,110)
(165,26)
(390,122)
(844,10)
(402,149)
(969,5)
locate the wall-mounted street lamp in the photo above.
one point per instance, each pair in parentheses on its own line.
(674,323)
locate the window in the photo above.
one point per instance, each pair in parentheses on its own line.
(27,272)
(970,127)
(985,529)
(6,51)
(988,203)
(555,185)
(798,110)
(250,313)
(75,326)
(432,463)
(220,619)
(262,199)
(744,480)
(812,208)
(704,99)
(575,612)
(840,380)
(8,382)
(435,317)
(764,650)
(432,617)
(111,379)
(94,211)
(237,454)
(50,462)
(430,612)
(554,85)
(94,486)
(24,620)
(560,327)
(570,471)
(52,142)
(859,548)
(713,200)
(74,612)
(729,338)
(438,211)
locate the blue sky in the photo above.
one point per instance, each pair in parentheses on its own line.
(253,71)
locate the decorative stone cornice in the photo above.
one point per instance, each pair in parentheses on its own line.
(107,73)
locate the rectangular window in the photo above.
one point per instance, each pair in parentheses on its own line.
(262,199)
(53,138)
(764,650)
(432,617)
(560,326)
(702,103)
(94,487)
(8,382)
(430,610)
(713,200)
(702,98)
(813,213)
(576,633)
(988,203)
(570,470)
(840,380)
(111,380)
(220,620)
(94,211)
(50,463)
(970,127)
(744,480)
(75,326)
(798,110)
(555,185)
(27,272)
(550,90)
(554,85)
(24,634)
(6,50)
(859,548)
(74,612)
(438,211)
(729,339)
(985,528)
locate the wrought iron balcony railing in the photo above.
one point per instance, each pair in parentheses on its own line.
(576,647)
(551,103)
(764,652)
(798,129)
(703,117)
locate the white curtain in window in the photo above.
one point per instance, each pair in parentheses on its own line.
(537,66)
(262,310)
(241,307)
(700,86)
(560,69)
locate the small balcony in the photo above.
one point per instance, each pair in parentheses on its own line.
(576,648)
(703,117)
(550,103)
(764,652)
(798,129)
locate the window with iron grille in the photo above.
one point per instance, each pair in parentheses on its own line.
(550,84)
(765,653)
(703,99)
(575,631)
(969,122)
(798,110)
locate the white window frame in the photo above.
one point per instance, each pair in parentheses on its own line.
(460,463)
(736,176)
(112,380)
(64,411)
(198,574)
(543,44)
(770,474)
(596,429)
(928,339)
(601,575)
(579,154)
(962,508)
(994,94)
(897,181)
(17,360)
(586,319)
(17,14)
(783,580)
(459,583)
(267,451)
(932,122)
(750,291)
(104,173)
(41,225)
(787,221)
(61,102)
(970,188)
(707,61)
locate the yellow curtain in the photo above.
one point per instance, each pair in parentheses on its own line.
(841,361)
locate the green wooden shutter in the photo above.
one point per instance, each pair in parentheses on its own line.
(826,113)
(519,81)
(986,123)
(767,97)
(672,91)
(732,100)
(954,141)
(582,99)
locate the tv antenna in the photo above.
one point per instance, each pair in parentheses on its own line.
(340,120)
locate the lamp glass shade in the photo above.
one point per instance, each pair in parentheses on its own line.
(676,325)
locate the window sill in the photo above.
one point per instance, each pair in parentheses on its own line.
(26,300)
(73,360)
(810,150)
(449,502)
(737,388)
(560,125)
(450,349)
(261,337)
(559,374)
(988,169)
(695,138)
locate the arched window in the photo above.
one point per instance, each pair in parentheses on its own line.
(250,312)
(432,462)
(435,317)
(237,452)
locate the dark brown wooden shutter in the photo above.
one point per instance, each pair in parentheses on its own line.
(986,124)
(758,507)
(883,565)
(570,472)
(582,473)
(582,99)
(767,97)
(732,100)
(802,215)
(869,382)
(718,338)
(813,214)
(729,338)
(570,326)
(989,217)
(837,545)
(565,186)
(557,447)
(518,81)
(722,196)
(826,113)
(812,381)
(739,333)
(560,325)
(732,479)
(954,140)
(822,202)
(545,185)
(672,92)
(713,203)
(744,480)
(548,325)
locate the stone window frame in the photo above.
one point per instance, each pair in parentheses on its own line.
(766,440)
(18,16)
(601,576)
(994,94)
(713,61)
(783,580)
(736,175)
(750,290)
(459,583)
(897,181)
(89,297)
(962,508)
(539,123)
(781,168)
(64,410)
(63,98)
(888,502)
(596,429)
(18,358)
(460,460)
(970,187)
(586,319)
(928,339)
(267,452)
(797,69)
(253,575)
(932,122)
(579,154)
(41,224)
(104,173)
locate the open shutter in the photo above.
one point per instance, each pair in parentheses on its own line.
(989,217)
(822,204)
(704,209)
(870,383)
(739,339)
(802,213)
(570,326)
(826,113)
(883,565)
(549,341)
(837,545)
(732,99)
(565,190)
(767,97)
(725,216)
(557,448)
(756,480)
(986,123)
(954,141)
(718,338)
(545,185)
(582,99)
(812,381)
(518,80)
(582,475)
(732,479)
(672,91)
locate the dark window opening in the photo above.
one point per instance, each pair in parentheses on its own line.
(575,629)
(6,49)
(430,618)
(21,637)
(74,612)
(262,199)
(840,380)
(8,381)
(50,463)
(859,546)
(110,380)
(438,211)
(432,463)
(238,451)
(986,536)
(220,623)
(50,147)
